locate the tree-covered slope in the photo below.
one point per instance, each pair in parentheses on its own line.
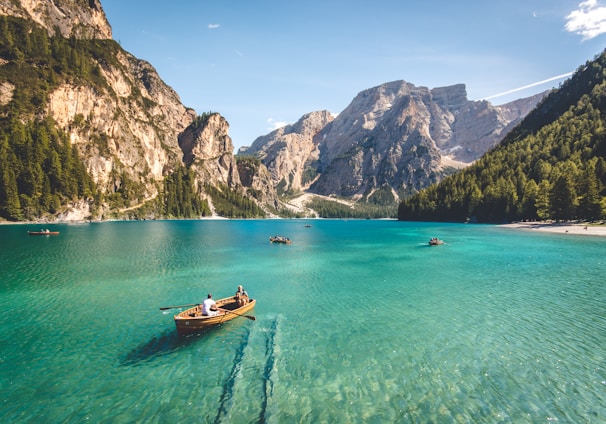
(552,166)
(39,169)
(122,133)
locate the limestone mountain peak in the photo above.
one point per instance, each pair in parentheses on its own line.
(390,141)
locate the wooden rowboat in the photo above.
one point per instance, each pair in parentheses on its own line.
(43,233)
(435,241)
(279,239)
(192,320)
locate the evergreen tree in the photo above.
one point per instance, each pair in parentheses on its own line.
(543,204)
(590,204)
(10,206)
(563,199)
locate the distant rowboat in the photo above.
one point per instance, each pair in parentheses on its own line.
(279,239)
(43,233)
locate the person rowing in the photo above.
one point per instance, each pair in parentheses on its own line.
(209,307)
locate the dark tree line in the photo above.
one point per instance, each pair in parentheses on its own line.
(334,209)
(231,204)
(39,170)
(180,199)
(552,166)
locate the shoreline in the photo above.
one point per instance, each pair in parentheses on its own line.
(560,228)
(540,226)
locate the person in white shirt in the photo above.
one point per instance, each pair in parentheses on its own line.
(209,307)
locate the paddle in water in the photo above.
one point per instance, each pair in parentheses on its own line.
(164,308)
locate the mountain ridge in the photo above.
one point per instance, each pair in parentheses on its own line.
(148,154)
(394,139)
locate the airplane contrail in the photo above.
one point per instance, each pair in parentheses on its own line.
(567,74)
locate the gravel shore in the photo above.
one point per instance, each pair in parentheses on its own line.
(561,228)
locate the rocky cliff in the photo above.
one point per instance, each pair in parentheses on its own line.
(207,148)
(390,141)
(129,126)
(290,151)
(73,18)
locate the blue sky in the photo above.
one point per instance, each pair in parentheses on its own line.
(265,63)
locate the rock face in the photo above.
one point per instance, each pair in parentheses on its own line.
(78,18)
(289,151)
(126,128)
(391,141)
(130,128)
(479,126)
(208,150)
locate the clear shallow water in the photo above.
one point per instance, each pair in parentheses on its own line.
(357,321)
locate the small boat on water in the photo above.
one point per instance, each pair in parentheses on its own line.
(434,241)
(192,320)
(279,239)
(43,233)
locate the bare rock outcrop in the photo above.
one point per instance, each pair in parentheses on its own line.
(208,149)
(126,127)
(130,128)
(77,18)
(287,152)
(390,141)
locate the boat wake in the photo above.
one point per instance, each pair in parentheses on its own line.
(226,401)
(270,374)
(253,376)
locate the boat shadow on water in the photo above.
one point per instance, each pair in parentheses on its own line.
(168,342)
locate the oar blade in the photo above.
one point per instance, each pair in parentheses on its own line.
(164,308)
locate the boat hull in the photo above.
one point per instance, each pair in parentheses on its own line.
(43,233)
(282,240)
(192,320)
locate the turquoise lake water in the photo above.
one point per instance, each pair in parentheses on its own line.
(357,321)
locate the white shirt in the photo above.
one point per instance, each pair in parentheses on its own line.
(206,307)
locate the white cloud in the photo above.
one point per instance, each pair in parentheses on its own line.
(213,26)
(589,20)
(274,125)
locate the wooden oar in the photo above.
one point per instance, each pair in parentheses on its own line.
(180,306)
(240,315)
